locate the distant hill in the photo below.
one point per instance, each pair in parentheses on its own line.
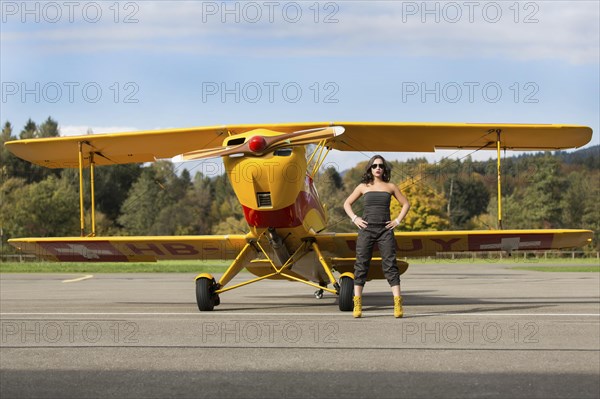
(589,157)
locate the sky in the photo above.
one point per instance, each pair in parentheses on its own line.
(115,66)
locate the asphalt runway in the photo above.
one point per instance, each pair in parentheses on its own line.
(470,330)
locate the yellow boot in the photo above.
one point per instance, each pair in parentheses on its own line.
(357,311)
(398,307)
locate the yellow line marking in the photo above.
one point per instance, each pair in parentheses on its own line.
(78,279)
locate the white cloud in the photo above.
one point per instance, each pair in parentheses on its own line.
(518,30)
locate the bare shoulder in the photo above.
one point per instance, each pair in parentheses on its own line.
(357,193)
(395,190)
(362,187)
(392,188)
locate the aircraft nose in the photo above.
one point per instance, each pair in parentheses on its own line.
(257,144)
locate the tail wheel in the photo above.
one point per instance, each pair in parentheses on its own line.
(345,294)
(204,295)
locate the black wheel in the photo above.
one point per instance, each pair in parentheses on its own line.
(346,294)
(204,296)
(319,294)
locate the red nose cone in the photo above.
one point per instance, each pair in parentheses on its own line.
(257,144)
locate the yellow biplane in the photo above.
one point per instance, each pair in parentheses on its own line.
(271,168)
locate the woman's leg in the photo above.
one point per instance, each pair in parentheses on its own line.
(358,289)
(387,247)
(364,251)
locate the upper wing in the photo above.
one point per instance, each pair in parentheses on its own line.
(134,147)
(342,246)
(132,249)
(116,148)
(148,146)
(427,137)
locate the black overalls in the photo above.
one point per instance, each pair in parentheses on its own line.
(377,215)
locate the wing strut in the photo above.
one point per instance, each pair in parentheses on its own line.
(81,216)
(320,158)
(498,131)
(93,204)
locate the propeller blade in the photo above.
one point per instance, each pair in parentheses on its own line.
(260,145)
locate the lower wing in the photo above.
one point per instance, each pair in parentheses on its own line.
(340,248)
(429,243)
(132,249)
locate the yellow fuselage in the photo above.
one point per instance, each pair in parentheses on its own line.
(276,192)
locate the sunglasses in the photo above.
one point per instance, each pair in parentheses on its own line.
(377,165)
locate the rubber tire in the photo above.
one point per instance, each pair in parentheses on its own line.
(203,294)
(346,293)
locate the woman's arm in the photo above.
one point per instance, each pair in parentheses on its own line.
(357,220)
(405,207)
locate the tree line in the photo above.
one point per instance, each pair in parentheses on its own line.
(543,190)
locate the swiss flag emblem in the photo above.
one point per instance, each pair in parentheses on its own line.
(97,251)
(510,242)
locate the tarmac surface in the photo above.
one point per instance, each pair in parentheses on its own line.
(470,330)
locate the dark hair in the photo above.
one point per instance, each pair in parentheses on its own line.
(367,177)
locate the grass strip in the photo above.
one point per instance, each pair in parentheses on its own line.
(212,266)
(580,269)
(219,266)
(517,261)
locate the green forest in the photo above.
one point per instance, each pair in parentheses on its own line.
(543,190)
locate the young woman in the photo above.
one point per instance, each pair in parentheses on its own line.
(376,226)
